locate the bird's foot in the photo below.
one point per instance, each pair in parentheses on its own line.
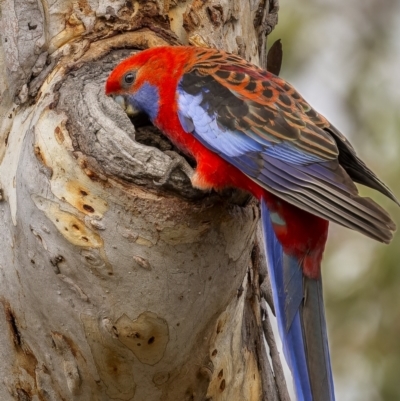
(177,161)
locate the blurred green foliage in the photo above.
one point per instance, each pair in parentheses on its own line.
(344,57)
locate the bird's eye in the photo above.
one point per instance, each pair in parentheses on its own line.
(129,78)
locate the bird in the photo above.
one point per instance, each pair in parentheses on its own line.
(249,129)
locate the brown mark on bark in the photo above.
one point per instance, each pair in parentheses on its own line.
(216,14)
(24,359)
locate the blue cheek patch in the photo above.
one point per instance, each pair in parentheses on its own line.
(146,99)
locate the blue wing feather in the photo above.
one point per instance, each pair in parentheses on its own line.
(207,128)
(302,178)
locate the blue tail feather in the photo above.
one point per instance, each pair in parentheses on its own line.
(301,319)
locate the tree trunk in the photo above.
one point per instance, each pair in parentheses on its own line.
(113,288)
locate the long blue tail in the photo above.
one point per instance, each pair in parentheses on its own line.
(301,319)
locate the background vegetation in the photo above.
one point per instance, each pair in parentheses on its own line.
(344,57)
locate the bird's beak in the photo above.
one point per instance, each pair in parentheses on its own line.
(126,106)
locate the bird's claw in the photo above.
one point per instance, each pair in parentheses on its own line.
(177,161)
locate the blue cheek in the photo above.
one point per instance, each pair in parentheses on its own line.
(146,99)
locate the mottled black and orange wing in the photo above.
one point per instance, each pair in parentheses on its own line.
(260,124)
(261,103)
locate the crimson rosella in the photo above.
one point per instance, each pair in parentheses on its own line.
(249,129)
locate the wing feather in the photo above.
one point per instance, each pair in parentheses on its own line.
(261,125)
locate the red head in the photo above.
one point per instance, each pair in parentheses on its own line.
(140,67)
(140,81)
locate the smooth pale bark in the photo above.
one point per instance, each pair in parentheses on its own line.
(111,287)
